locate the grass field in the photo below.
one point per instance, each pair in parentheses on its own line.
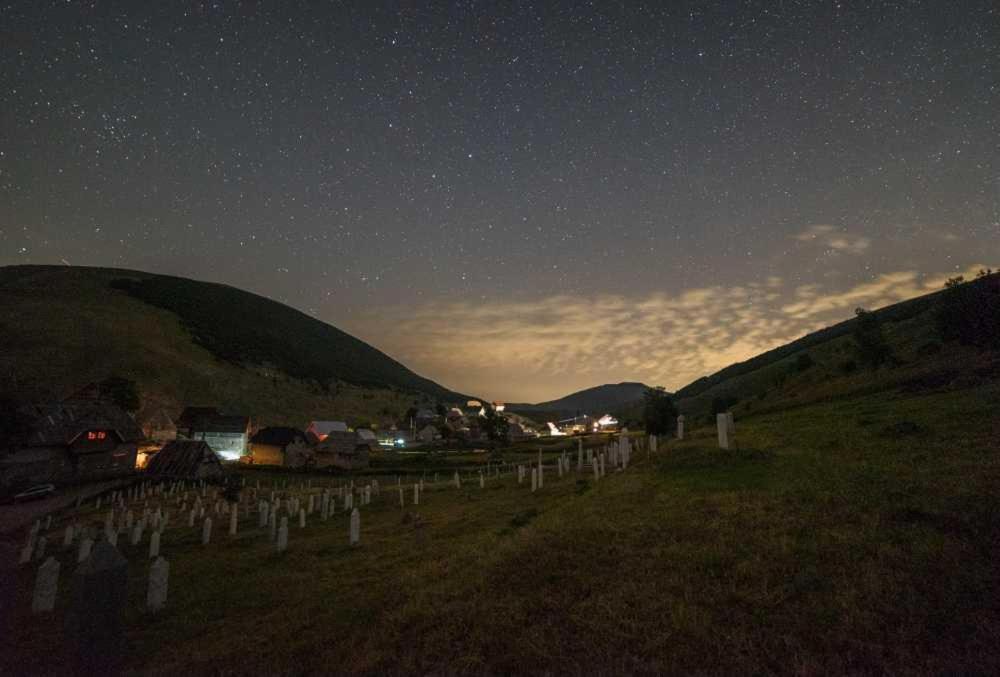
(859,535)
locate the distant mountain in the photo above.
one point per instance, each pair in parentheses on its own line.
(189,342)
(594,401)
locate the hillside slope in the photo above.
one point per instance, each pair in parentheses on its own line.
(825,364)
(188,342)
(594,401)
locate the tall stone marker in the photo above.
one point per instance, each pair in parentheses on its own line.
(94,626)
(726,428)
(355,527)
(680,427)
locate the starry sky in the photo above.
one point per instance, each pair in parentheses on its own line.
(516,199)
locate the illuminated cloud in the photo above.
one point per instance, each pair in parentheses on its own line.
(540,349)
(833,239)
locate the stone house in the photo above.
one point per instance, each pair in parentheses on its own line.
(186,459)
(320,429)
(76,440)
(279,445)
(342,450)
(227,435)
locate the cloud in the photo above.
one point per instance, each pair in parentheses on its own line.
(533,350)
(835,241)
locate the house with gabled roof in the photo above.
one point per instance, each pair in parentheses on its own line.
(227,435)
(320,429)
(79,439)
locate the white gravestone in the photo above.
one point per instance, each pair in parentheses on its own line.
(154,545)
(159,578)
(206,531)
(282,542)
(355,527)
(726,429)
(680,427)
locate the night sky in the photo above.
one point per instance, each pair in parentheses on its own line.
(517,200)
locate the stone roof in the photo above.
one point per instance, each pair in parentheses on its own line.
(327,427)
(278,436)
(60,423)
(185,458)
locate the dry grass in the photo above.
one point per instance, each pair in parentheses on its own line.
(833,540)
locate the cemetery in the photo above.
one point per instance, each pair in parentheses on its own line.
(543,561)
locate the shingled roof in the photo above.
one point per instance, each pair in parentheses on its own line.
(278,436)
(192,459)
(59,424)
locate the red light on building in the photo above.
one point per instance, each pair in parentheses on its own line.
(97,435)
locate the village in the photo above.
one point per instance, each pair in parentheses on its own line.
(88,438)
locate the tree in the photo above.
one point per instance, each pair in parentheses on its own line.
(869,342)
(122,392)
(969,311)
(441,410)
(411,414)
(495,425)
(659,415)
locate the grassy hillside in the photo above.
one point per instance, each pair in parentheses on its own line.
(825,364)
(856,535)
(189,342)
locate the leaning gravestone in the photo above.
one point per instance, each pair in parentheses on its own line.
(94,621)
(46,586)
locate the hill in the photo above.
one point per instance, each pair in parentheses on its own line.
(594,401)
(825,363)
(190,342)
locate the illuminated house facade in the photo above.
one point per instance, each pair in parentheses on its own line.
(228,436)
(70,441)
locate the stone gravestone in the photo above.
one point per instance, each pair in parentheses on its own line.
(206,531)
(68,536)
(534,480)
(355,527)
(726,428)
(94,622)
(85,547)
(154,544)
(40,546)
(159,576)
(282,542)
(416,494)
(233,522)
(302,518)
(46,586)
(680,427)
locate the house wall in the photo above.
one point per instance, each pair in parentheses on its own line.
(37,465)
(230,446)
(267,454)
